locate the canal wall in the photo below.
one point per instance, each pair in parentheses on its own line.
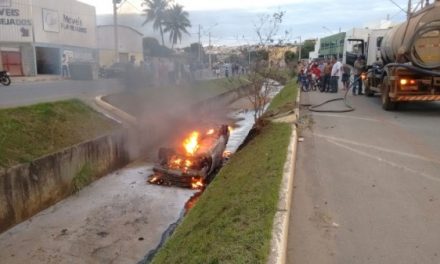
(28,188)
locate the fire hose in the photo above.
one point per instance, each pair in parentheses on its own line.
(348,106)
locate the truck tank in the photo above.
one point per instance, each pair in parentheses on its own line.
(416,41)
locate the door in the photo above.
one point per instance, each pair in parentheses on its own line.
(12,62)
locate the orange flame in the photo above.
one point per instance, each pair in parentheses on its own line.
(210,132)
(197,184)
(191,144)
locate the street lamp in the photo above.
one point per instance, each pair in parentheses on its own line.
(206,32)
(326,28)
(300,48)
(115,23)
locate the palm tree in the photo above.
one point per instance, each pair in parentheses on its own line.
(176,22)
(155,12)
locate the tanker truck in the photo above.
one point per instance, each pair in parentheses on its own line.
(404,61)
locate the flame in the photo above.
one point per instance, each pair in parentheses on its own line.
(197,183)
(210,132)
(230,129)
(191,144)
(176,161)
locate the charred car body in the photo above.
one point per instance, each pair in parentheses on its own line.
(191,164)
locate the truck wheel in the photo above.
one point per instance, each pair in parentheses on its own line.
(387,104)
(368,91)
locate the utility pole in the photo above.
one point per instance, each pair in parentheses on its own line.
(209,48)
(299,57)
(115,25)
(200,44)
(408,14)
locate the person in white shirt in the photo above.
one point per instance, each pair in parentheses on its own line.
(335,75)
(65,66)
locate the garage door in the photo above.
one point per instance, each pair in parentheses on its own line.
(12,62)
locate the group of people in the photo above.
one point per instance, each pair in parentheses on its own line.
(228,70)
(326,74)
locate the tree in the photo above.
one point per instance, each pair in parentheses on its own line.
(267,28)
(261,87)
(175,23)
(155,12)
(307,46)
(290,57)
(151,47)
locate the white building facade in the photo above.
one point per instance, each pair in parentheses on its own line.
(35,34)
(129,44)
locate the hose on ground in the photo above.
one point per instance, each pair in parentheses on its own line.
(348,106)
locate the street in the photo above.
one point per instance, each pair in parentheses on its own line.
(367,184)
(19,94)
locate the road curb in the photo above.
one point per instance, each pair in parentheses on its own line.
(125,117)
(280,230)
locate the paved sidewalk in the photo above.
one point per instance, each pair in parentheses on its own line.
(38,78)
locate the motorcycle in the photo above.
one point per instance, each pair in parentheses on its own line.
(4,78)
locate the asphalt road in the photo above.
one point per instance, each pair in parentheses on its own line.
(19,94)
(367,185)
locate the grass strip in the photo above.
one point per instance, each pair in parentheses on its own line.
(210,88)
(30,132)
(232,222)
(284,101)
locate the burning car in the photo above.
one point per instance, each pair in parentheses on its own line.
(191,164)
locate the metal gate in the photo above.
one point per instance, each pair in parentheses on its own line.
(12,62)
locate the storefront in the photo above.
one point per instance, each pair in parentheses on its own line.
(35,34)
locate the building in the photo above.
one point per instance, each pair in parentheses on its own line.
(130,44)
(277,54)
(344,45)
(35,34)
(332,46)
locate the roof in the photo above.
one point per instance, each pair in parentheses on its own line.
(122,26)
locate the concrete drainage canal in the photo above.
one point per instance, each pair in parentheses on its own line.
(117,219)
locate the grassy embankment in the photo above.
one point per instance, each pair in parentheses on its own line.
(232,222)
(285,100)
(30,132)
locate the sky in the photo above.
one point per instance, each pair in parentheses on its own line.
(231,22)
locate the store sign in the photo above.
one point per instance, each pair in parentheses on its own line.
(5,3)
(12,17)
(50,21)
(73,24)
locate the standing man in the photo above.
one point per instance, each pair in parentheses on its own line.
(327,75)
(65,66)
(346,72)
(336,72)
(359,68)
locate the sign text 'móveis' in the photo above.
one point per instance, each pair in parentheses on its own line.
(11,17)
(73,24)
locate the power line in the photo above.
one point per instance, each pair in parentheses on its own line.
(396,4)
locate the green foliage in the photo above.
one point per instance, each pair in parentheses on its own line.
(176,22)
(151,47)
(155,12)
(30,132)
(82,178)
(290,57)
(285,100)
(307,46)
(232,222)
